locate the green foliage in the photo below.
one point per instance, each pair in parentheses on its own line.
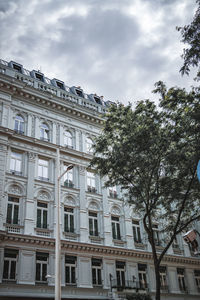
(138,297)
(191,36)
(153,154)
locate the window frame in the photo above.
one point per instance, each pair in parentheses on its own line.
(88,144)
(13,210)
(136,231)
(44,132)
(19,124)
(72,267)
(12,261)
(43,208)
(181,279)
(16,160)
(43,164)
(142,276)
(96,264)
(68,139)
(69,219)
(91,182)
(42,262)
(116,228)
(93,223)
(120,273)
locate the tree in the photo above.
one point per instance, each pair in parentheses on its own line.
(191,36)
(153,154)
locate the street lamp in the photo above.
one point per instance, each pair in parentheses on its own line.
(57,237)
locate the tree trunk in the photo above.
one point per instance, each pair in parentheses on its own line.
(157,273)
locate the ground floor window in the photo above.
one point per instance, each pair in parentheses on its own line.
(70,269)
(41,267)
(10,264)
(96,271)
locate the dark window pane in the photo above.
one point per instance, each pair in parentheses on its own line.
(44,219)
(9,213)
(95,227)
(5,269)
(99,276)
(38,218)
(123,278)
(118,278)
(118,231)
(66,223)
(91,226)
(67,278)
(12,269)
(113,231)
(44,272)
(73,274)
(16,213)
(37,275)
(71,223)
(134,234)
(94,280)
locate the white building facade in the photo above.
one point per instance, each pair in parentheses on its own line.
(104,250)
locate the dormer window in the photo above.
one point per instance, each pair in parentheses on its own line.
(60,85)
(17,68)
(79,93)
(97,100)
(39,77)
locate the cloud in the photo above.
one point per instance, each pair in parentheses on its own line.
(114,48)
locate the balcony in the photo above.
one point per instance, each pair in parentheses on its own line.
(68,184)
(128,285)
(43,178)
(13,226)
(18,131)
(91,189)
(113,195)
(14,172)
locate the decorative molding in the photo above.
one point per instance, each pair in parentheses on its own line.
(15,189)
(32,156)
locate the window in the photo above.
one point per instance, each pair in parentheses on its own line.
(96,271)
(115,228)
(89,144)
(43,168)
(60,85)
(10,264)
(142,275)
(42,209)
(41,267)
(44,132)
(136,231)
(156,235)
(17,68)
(79,93)
(113,192)
(39,77)
(12,210)
(163,278)
(120,273)
(68,178)
(181,279)
(19,124)
(70,269)
(68,141)
(93,223)
(91,182)
(16,163)
(68,219)
(197,279)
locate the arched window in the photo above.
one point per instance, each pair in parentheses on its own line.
(44,132)
(89,144)
(19,124)
(68,139)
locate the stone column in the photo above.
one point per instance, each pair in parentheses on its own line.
(29,220)
(173,280)
(3,159)
(37,128)
(54,133)
(83,211)
(29,125)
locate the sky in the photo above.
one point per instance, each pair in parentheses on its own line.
(114,48)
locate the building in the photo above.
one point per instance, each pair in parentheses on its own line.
(105,253)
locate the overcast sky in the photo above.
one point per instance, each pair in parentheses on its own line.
(115,48)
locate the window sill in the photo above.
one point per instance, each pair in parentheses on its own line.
(17,173)
(139,245)
(41,282)
(9,281)
(97,239)
(71,235)
(43,231)
(118,242)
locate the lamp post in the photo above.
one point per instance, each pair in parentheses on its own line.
(57,237)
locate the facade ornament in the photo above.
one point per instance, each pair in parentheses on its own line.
(15,189)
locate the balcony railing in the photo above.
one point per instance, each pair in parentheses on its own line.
(113,195)
(18,131)
(14,172)
(91,189)
(68,184)
(128,284)
(43,178)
